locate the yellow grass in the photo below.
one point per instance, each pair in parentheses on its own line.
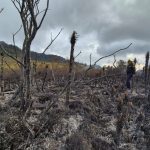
(10,65)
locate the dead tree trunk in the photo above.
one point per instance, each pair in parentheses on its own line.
(53,75)
(148,75)
(26,74)
(45,76)
(2,74)
(146,70)
(34,68)
(71,63)
(29,13)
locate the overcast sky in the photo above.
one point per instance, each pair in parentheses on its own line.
(103,27)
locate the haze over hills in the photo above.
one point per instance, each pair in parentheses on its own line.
(13,50)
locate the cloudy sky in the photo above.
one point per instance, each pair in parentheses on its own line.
(103,27)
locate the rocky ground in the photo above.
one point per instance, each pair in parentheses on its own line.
(101,115)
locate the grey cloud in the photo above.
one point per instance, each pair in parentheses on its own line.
(82,15)
(106,24)
(137,47)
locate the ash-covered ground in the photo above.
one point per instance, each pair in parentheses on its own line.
(101,115)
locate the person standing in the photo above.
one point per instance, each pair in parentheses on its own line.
(130,72)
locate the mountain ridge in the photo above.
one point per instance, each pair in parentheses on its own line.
(13,50)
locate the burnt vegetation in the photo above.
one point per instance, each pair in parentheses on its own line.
(74,107)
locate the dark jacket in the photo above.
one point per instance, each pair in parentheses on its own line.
(130,69)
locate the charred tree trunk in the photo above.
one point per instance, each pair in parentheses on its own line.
(34,67)
(29,12)
(26,81)
(53,75)
(2,74)
(27,76)
(71,63)
(45,76)
(146,70)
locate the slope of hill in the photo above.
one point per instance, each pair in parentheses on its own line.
(13,50)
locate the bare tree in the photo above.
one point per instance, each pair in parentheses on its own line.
(45,76)
(71,63)
(52,40)
(2,73)
(29,14)
(114,61)
(135,61)
(2,58)
(146,69)
(14,34)
(112,54)
(77,55)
